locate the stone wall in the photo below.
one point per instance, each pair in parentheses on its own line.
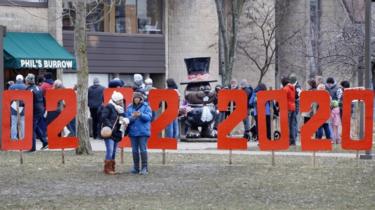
(192,32)
(24,19)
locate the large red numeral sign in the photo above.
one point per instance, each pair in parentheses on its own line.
(65,117)
(240,112)
(263,97)
(367,96)
(166,118)
(322,115)
(128,96)
(26,142)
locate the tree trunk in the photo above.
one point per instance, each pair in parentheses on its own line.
(261,78)
(228,38)
(373,75)
(80,49)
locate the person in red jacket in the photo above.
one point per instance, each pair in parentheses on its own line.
(291,94)
(47,83)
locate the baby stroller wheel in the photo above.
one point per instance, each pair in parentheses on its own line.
(276,135)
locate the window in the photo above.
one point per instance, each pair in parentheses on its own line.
(149,13)
(122,16)
(94,19)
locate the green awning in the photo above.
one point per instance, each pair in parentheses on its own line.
(35,51)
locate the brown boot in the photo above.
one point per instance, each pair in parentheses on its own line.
(113,164)
(108,167)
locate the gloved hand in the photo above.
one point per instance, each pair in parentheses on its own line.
(124,121)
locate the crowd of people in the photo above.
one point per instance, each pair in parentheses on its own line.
(41,118)
(111,120)
(330,129)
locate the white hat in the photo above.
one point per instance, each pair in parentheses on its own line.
(19,77)
(138,77)
(117,96)
(148,81)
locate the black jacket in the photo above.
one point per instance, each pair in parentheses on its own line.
(38,100)
(109,117)
(95,96)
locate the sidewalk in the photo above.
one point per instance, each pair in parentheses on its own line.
(211,148)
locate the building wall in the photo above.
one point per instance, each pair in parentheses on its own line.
(122,53)
(291,56)
(70,79)
(334,18)
(24,19)
(193,32)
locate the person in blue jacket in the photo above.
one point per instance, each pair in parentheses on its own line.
(253,104)
(139,114)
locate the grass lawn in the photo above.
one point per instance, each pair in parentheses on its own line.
(188,181)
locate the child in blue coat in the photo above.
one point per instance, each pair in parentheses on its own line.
(140,115)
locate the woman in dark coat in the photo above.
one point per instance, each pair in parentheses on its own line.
(112,116)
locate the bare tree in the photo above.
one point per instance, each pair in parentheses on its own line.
(228,12)
(339,44)
(80,49)
(260,26)
(81,13)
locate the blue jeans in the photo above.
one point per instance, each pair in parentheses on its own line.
(14,127)
(139,143)
(42,124)
(292,120)
(38,132)
(72,127)
(110,149)
(139,150)
(327,131)
(246,123)
(172,130)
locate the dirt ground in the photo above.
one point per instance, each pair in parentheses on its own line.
(187,181)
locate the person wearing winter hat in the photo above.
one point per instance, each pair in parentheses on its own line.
(139,114)
(38,111)
(112,117)
(139,86)
(148,85)
(17,111)
(95,100)
(115,83)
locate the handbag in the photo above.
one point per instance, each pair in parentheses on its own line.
(106,131)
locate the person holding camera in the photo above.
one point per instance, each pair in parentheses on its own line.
(112,129)
(139,114)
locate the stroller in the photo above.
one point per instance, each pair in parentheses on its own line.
(274,120)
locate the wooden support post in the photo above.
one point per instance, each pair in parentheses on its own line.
(272,131)
(62,156)
(21,157)
(314,159)
(230,151)
(359,125)
(230,157)
(122,155)
(164,158)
